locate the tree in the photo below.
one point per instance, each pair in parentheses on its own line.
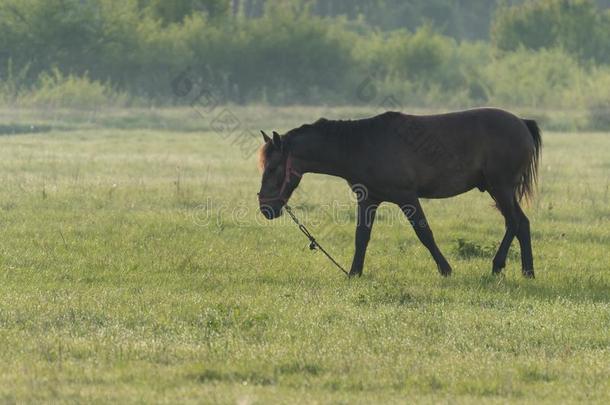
(578,26)
(176,10)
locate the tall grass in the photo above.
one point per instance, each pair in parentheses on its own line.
(56,90)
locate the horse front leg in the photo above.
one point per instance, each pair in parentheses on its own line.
(415,213)
(366,217)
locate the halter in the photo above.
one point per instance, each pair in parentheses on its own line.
(290,170)
(313,243)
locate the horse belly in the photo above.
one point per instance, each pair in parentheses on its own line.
(450,185)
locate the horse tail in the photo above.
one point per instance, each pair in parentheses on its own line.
(529,179)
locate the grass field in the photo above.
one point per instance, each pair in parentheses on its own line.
(134,267)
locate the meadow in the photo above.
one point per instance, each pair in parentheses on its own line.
(136,268)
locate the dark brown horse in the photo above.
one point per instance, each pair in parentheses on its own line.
(400,158)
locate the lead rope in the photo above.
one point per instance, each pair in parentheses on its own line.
(313,243)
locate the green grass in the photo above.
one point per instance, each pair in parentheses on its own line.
(135,267)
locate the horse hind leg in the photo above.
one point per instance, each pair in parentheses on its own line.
(506,203)
(525,243)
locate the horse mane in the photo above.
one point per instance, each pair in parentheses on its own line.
(325,127)
(328,127)
(346,127)
(262,155)
(263,151)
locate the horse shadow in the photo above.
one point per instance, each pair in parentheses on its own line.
(581,288)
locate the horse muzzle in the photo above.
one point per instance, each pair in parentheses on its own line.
(271,211)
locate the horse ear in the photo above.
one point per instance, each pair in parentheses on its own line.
(266,137)
(277,141)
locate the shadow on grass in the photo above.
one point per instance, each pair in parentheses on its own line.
(402,287)
(467,249)
(594,288)
(405,291)
(16,129)
(258,377)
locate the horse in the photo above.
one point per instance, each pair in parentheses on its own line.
(400,158)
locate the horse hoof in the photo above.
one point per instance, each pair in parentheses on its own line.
(353,274)
(445,271)
(528,273)
(496,270)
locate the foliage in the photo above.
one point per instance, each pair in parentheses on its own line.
(543,54)
(452,19)
(78,92)
(598,99)
(47,33)
(285,55)
(578,26)
(176,11)
(13,83)
(543,78)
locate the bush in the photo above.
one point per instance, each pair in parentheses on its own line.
(288,55)
(56,90)
(12,83)
(548,78)
(291,59)
(425,68)
(44,33)
(420,57)
(578,26)
(176,11)
(598,100)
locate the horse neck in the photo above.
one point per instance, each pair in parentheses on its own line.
(316,153)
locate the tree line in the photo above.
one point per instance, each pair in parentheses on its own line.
(542,53)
